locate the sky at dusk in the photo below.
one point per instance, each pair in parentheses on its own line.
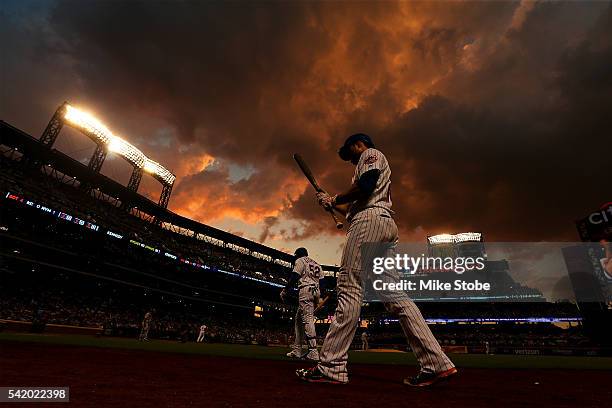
(495,116)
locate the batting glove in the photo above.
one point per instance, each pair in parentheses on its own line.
(325,200)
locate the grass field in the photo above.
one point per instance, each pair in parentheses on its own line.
(277,353)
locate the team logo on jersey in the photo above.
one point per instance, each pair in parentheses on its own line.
(370,160)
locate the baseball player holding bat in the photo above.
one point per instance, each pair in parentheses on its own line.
(367,205)
(307,273)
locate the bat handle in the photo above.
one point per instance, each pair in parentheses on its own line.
(339,224)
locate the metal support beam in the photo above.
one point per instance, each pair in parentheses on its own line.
(95,164)
(135,179)
(97,159)
(133,185)
(164,198)
(54,127)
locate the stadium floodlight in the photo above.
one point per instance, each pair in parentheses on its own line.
(468,237)
(160,171)
(455,239)
(128,151)
(441,239)
(87,123)
(101,134)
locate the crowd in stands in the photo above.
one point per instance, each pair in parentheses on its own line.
(538,336)
(497,338)
(35,186)
(484,310)
(119,317)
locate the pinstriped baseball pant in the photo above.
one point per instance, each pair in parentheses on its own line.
(373,225)
(304,318)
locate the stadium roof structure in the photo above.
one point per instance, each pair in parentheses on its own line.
(43,155)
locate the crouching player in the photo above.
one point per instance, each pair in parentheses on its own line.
(307,273)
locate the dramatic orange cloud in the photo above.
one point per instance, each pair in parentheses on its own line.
(484,109)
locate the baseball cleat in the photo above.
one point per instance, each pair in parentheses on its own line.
(295,354)
(312,355)
(425,379)
(313,375)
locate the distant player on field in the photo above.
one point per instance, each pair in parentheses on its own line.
(202,335)
(364,341)
(367,205)
(146,325)
(307,273)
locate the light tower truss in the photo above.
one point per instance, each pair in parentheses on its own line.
(106,142)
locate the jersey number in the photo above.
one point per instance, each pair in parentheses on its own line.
(315,270)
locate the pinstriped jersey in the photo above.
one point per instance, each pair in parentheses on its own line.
(310,272)
(372,159)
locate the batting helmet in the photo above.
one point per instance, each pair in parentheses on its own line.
(345,151)
(300,252)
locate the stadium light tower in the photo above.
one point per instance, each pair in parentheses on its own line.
(106,141)
(165,177)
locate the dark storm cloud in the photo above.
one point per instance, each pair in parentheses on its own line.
(494,115)
(515,153)
(218,72)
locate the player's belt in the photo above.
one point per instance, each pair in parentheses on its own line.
(377,210)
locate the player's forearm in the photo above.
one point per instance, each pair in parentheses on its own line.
(294,277)
(360,190)
(352,194)
(346,198)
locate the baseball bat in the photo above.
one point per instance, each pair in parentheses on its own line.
(308,173)
(321,304)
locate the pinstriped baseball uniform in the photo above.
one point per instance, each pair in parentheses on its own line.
(371,221)
(308,296)
(372,159)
